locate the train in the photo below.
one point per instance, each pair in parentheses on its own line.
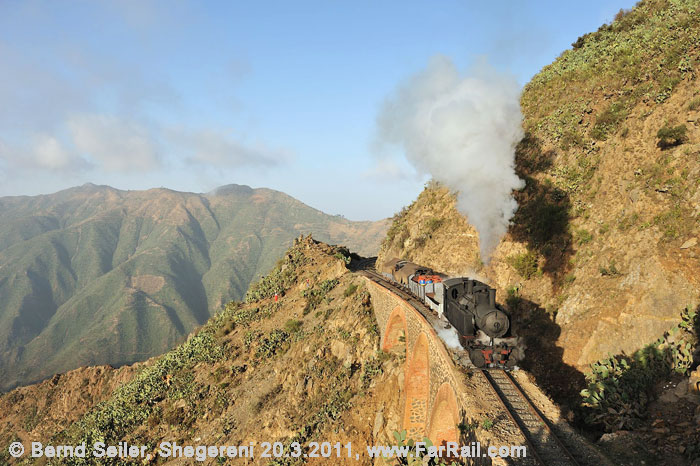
(485,329)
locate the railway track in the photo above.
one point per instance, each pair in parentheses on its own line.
(543,443)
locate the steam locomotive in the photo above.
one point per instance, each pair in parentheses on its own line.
(468,305)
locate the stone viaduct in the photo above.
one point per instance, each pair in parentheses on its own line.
(433,402)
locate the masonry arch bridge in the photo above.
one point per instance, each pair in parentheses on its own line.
(431,395)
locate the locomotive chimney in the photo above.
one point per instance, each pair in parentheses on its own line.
(470,286)
(492,297)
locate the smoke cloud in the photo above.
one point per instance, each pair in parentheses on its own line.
(449,336)
(462,130)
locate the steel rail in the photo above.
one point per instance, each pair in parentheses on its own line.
(546,445)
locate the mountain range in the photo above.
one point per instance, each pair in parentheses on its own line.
(95,275)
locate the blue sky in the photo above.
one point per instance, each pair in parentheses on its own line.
(285,95)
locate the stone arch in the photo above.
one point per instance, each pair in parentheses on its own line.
(417,390)
(445,416)
(395,330)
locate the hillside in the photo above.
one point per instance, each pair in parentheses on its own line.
(306,367)
(606,233)
(602,256)
(94,275)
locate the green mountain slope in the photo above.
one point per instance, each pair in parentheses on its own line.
(94,275)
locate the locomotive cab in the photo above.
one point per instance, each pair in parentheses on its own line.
(458,300)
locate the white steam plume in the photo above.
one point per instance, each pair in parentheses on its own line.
(462,130)
(449,336)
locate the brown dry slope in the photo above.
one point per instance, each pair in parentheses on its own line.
(36,412)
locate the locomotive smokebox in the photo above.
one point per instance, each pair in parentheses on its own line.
(491,320)
(494,323)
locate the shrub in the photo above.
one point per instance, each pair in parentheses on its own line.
(31,420)
(571,137)
(627,222)
(337,403)
(525,264)
(466,427)
(398,231)
(132,404)
(609,271)
(292,325)
(245,316)
(620,15)
(420,241)
(544,217)
(433,223)
(316,295)
(513,298)
(250,337)
(667,86)
(619,387)
(694,104)
(371,369)
(416,456)
(670,136)
(607,122)
(622,59)
(328,285)
(345,258)
(580,41)
(235,314)
(350,290)
(583,236)
(174,416)
(271,345)
(675,222)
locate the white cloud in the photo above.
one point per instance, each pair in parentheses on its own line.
(220,149)
(50,153)
(115,144)
(42,151)
(389,168)
(100,143)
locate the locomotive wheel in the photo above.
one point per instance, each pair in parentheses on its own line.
(477,358)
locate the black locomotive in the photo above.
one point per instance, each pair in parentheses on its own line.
(469,305)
